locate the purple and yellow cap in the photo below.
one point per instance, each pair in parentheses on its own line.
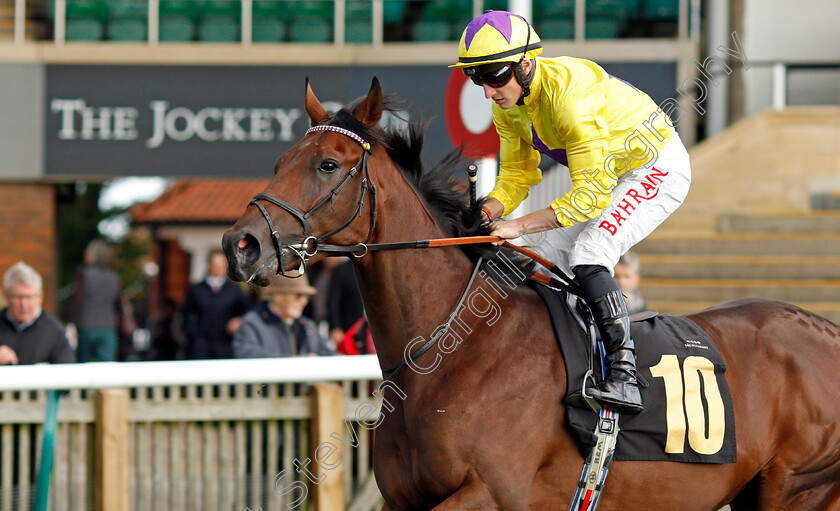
(497,36)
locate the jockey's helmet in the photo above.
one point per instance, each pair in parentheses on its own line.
(497,37)
(496,42)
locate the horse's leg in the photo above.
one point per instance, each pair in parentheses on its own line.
(473,496)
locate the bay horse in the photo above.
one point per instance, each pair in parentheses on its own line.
(485,429)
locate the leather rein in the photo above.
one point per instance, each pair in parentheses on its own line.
(311,245)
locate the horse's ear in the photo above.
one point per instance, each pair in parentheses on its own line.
(316,111)
(369,110)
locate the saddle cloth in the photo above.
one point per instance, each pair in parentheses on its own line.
(688,414)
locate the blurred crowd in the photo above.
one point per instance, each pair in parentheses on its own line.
(217,320)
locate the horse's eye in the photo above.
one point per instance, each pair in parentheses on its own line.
(328,166)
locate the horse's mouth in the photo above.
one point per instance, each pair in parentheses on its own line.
(263,272)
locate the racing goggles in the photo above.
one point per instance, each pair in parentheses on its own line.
(497,77)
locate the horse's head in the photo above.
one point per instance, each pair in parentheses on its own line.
(321,193)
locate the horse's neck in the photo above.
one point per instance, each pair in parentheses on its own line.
(408,293)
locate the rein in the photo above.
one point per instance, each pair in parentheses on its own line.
(438,336)
(311,245)
(562,282)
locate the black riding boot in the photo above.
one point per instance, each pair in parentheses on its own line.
(620,391)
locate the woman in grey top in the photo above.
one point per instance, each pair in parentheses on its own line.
(96,305)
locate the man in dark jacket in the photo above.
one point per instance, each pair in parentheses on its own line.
(344,301)
(277,327)
(29,334)
(212,312)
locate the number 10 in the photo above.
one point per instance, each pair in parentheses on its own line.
(684,398)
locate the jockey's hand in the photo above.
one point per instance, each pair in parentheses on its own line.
(505,229)
(533,222)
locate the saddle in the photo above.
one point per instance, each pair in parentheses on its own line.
(688,414)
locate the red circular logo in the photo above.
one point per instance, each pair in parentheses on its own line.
(469,117)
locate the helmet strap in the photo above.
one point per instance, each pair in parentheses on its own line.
(523,79)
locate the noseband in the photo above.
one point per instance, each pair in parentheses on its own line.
(311,244)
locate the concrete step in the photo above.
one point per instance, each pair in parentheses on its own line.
(720,290)
(828,310)
(780,244)
(722,266)
(814,221)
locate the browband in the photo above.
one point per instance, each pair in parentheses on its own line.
(339,129)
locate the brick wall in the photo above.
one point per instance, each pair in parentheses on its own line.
(27,232)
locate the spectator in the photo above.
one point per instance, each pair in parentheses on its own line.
(357,340)
(318,307)
(344,302)
(29,334)
(212,312)
(96,305)
(277,327)
(627,276)
(166,341)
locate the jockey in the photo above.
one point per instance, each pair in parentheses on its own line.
(628,168)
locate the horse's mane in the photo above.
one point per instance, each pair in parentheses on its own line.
(443,187)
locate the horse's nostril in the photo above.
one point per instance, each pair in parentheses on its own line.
(248,248)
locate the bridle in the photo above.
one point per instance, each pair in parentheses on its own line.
(311,245)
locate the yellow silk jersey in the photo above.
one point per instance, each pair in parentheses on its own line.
(598,125)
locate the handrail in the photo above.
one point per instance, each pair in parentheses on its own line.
(100,375)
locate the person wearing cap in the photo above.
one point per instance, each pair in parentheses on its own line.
(628,168)
(277,326)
